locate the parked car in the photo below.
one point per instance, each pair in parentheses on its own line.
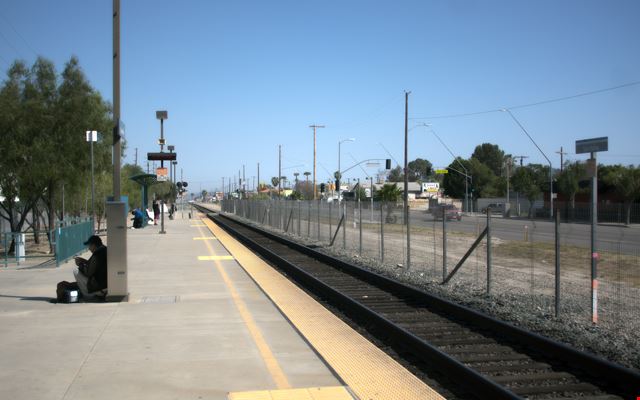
(450,211)
(496,208)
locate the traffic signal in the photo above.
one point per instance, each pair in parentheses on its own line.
(388,164)
(322,187)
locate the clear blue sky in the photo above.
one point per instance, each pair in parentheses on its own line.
(240,77)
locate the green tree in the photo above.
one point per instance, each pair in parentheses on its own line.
(389,194)
(568,182)
(420,170)
(626,183)
(453,182)
(395,175)
(296,195)
(43,120)
(528,180)
(491,156)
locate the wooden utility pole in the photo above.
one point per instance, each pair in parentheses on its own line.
(562,153)
(315,190)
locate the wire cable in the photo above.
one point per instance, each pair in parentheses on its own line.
(19,35)
(537,103)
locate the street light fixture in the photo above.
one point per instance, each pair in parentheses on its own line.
(542,152)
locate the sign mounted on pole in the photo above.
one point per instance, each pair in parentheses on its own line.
(592,145)
(430,187)
(442,171)
(162,174)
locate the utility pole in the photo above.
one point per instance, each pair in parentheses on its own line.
(258,177)
(521,158)
(223,188)
(136,158)
(562,153)
(244,183)
(315,190)
(406,176)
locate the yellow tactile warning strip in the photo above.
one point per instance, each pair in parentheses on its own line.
(269,359)
(321,393)
(211,258)
(368,371)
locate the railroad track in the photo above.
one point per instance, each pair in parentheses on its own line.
(491,359)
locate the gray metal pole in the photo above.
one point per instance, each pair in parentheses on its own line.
(93,188)
(594,250)
(444,243)
(406,176)
(371,193)
(360,219)
(318,215)
(162,231)
(308,219)
(116,100)
(381,233)
(489,251)
(557,237)
(344,226)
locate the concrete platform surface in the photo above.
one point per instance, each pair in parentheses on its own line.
(192,329)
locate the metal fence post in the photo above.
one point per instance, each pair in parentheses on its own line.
(488,251)
(444,243)
(308,219)
(360,226)
(299,215)
(330,228)
(557,237)
(381,233)
(408,236)
(344,227)
(319,202)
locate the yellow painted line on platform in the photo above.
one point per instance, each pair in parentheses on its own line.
(205,237)
(369,372)
(274,368)
(214,258)
(320,393)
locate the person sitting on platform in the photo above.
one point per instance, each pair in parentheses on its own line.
(138,218)
(91,274)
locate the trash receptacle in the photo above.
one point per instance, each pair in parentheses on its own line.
(19,239)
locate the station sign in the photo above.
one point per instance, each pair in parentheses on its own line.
(161,156)
(592,145)
(442,171)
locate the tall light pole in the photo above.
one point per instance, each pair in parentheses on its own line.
(339,177)
(314,158)
(161,115)
(542,152)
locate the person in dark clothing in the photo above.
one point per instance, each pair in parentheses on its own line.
(156,211)
(91,274)
(138,218)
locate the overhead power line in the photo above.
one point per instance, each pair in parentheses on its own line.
(537,103)
(19,35)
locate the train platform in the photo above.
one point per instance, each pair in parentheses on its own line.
(205,319)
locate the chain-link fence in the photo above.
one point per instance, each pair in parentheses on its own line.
(521,264)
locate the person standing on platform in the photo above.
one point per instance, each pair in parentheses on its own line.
(156,211)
